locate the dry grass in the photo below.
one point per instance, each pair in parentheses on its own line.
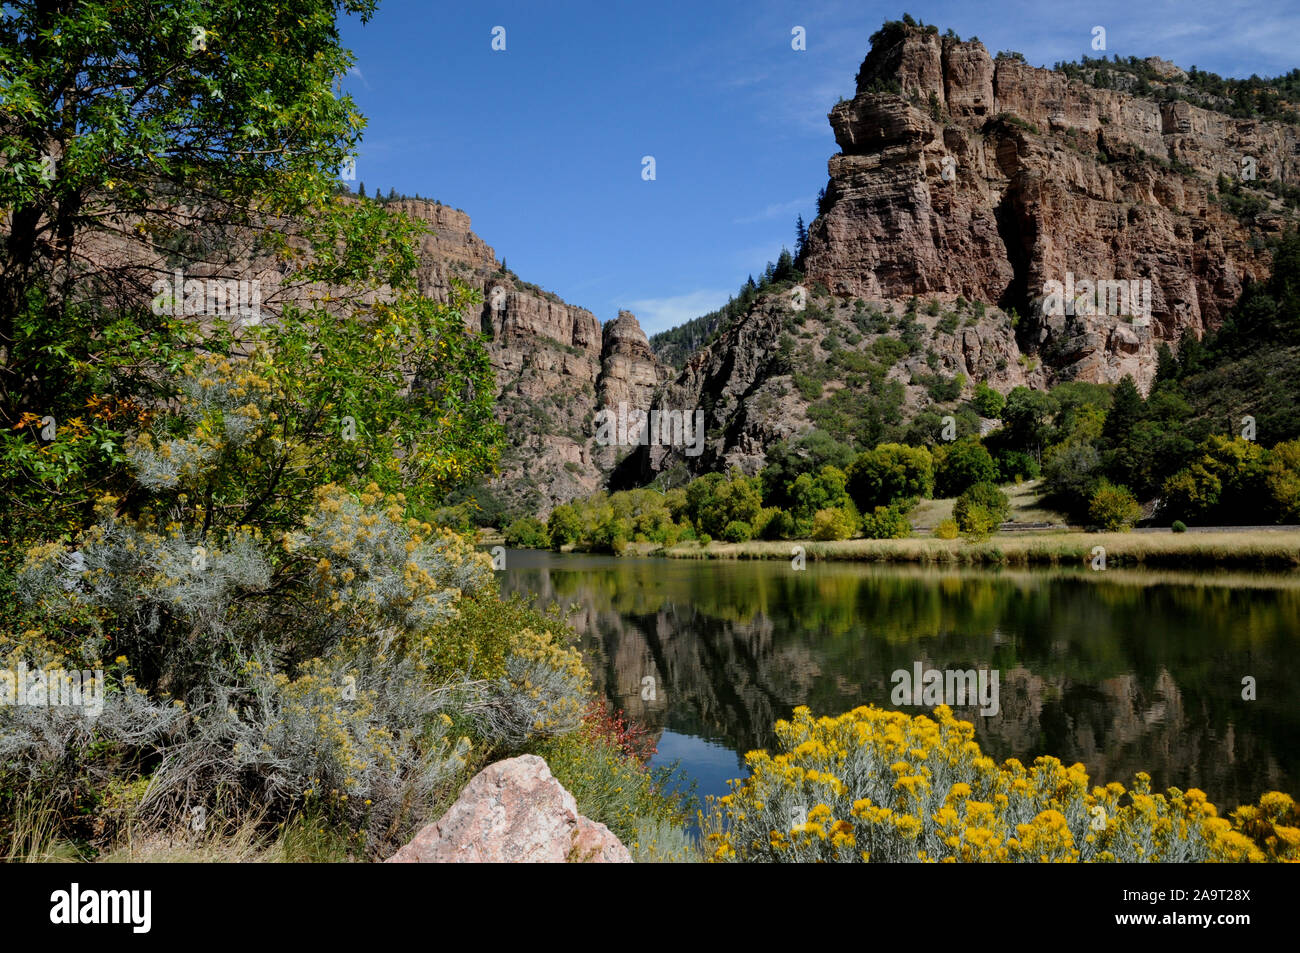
(1026,507)
(244,845)
(1258,549)
(31,836)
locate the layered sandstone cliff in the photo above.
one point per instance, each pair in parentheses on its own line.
(989,178)
(555,365)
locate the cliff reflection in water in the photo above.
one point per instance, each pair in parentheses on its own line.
(1124,671)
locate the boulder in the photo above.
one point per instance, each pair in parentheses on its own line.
(514,811)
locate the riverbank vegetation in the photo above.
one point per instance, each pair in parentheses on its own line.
(1264,549)
(884,787)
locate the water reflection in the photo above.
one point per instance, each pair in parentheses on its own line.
(1124,671)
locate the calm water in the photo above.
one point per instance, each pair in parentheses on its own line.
(1124,671)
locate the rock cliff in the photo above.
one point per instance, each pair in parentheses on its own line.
(990,178)
(968,180)
(555,365)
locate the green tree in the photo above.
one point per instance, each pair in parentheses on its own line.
(890,473)
(527,532)
(1166,366)
(960,465)
(988,402)
(1282,476)
(1126,409)
(715,500)
(985,497)
(1113,507)
(826,490)
(1027,416)
(809,454)
(1225,482)
(1072,470)
(120,121)
(1154,447)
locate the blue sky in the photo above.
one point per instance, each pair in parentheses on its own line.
(542,144)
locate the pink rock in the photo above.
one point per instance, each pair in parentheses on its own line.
(514,811)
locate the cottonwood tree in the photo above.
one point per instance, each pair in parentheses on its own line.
(137,138)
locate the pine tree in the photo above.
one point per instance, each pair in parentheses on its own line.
(800,238)
(1125,411)
(784,270)
(361,189)
(1166,366)
(392,194)
(1191,353)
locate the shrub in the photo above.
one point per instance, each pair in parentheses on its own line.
(1272,826)
(880,786)
(987,401)
(609,777)
(1179,526)
(943,390)
(299,700)
(1113,508)
(737,531)
(947,529)
(782,525)
(978,523)
(834,523)
(657,841)
(886,522)
(986,496)
(527,532)
(611,535)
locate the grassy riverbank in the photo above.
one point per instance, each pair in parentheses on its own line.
(1254,549)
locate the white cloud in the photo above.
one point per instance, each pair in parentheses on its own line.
(660,314)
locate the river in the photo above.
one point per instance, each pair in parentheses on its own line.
(1122,670)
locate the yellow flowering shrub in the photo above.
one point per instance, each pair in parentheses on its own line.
(876,785)
(368,561)
(1272,827)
